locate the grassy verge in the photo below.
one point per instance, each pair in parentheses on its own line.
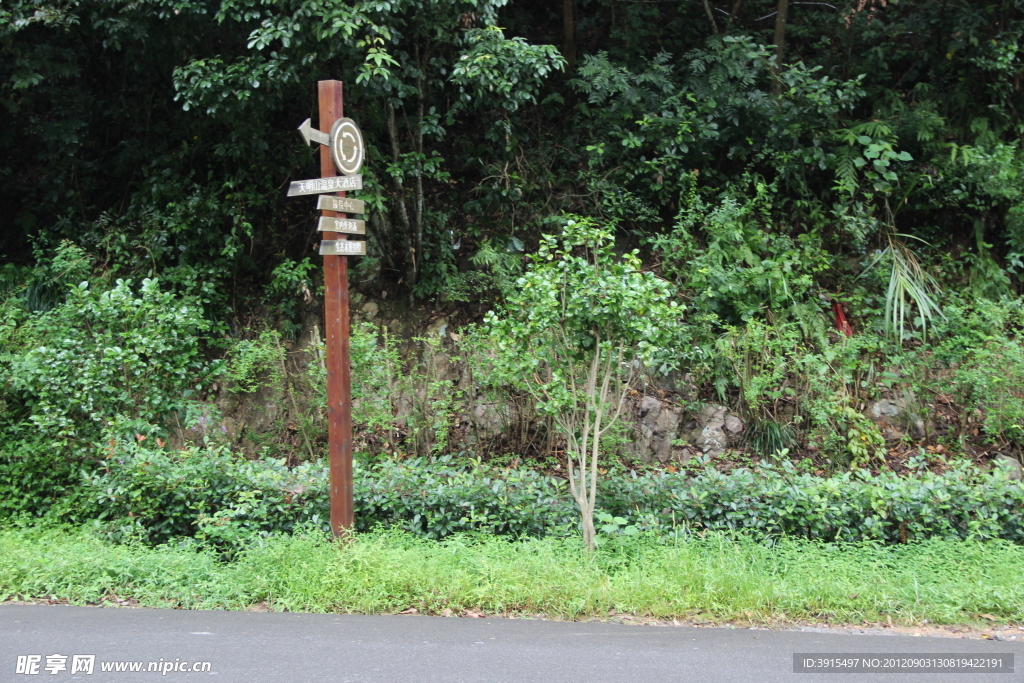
(715,577)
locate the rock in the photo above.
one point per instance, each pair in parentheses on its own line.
(648,405)
(231,428)
(656,430)
(712,439)
(733,424)
(486,417)
(711,412)
(894,419)
(883,408)
(1010,465)
(714,430)
(438,328)
(679,383)
(370,309)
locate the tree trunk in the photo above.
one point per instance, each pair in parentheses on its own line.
(733,14)
(418,141)
(569,33)
(589,532)
(403,210)
(780,45)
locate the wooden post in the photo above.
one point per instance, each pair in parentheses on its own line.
(336,330)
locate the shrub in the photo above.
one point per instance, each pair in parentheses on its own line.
(105,353)
(214,496)
(255,363)
(204,492)
(778,501)
(33,476)
(979,364)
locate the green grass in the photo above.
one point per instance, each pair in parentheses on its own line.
(714,578)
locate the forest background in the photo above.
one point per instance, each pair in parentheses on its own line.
(808,215)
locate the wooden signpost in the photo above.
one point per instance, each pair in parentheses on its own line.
(328,202)
(346,225)
(342,248)
(326,184)
(340,150)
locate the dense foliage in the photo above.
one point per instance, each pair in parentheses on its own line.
(822,210)
(157,134)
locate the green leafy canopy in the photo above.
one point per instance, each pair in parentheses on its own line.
(575,294)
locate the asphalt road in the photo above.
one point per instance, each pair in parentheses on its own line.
(254,647)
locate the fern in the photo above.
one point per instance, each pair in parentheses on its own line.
(846,170)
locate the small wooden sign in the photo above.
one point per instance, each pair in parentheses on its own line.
(342,225)
(342,248)
(339,183)
(340,204)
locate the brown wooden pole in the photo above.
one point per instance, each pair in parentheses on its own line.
(336,329)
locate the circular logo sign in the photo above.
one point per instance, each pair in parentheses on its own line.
(347,146)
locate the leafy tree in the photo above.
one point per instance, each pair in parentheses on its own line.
(411,68)
(579,327)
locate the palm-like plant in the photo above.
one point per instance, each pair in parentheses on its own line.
(909,286)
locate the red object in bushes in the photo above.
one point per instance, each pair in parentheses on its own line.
(841,324)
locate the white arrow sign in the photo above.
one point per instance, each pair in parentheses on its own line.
(311,134)
(345,142)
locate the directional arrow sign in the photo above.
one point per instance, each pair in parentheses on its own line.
(339,183)
(340,204)
(342,225)
(311,134)
(345,142)
(342,248)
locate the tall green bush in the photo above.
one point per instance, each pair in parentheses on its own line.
(122,359)
(574,334)
(123,351)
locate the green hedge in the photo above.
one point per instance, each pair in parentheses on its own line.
(777,500)
(213,495)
